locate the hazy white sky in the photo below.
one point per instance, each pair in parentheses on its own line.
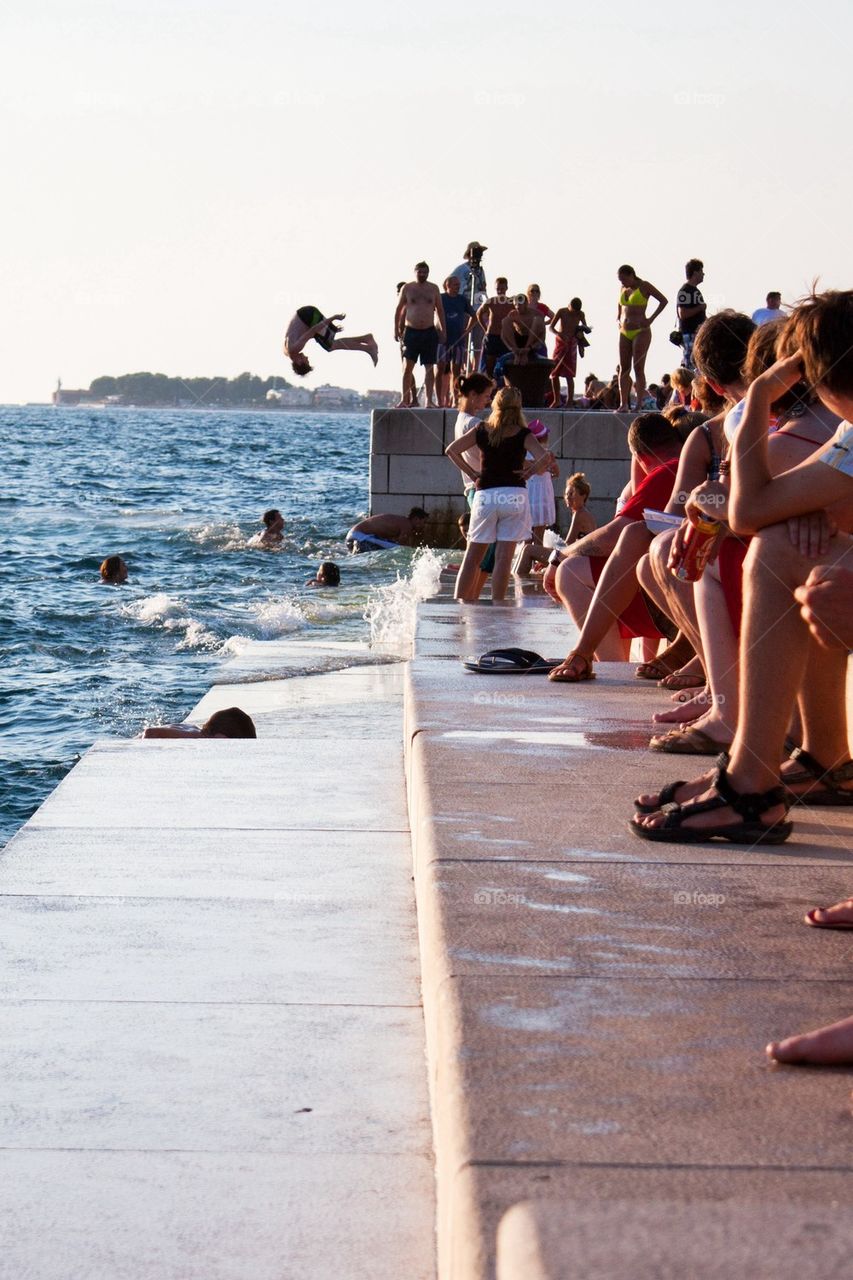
(179,177)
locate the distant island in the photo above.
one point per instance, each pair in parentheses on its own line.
(247,391)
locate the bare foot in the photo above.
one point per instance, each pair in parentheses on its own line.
(839,916)
(373,352)
(830,1046)
(684,712)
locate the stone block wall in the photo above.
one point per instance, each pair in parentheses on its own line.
(408,467)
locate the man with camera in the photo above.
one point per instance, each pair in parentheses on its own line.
(691,310)
(472,287)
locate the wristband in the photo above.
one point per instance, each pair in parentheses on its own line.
(555,558)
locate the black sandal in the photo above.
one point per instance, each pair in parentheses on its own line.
(750,830)
(667,794)
(830,793)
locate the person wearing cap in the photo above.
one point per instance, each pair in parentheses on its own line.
(472,287)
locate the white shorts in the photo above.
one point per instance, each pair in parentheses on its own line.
(540,495)
(500,515)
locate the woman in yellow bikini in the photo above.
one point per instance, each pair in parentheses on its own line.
(635,333)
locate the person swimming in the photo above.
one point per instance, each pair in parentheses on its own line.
(328,575)
(230,722)
(273,534)
(114,571)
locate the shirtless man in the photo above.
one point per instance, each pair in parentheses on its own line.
(418,308)
(491,316)
(522,331)
(378,533)
(308,323)
(566,324)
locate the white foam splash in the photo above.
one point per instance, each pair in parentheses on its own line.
(390,610)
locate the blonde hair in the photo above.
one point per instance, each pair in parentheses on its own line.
(506,417)
(682,377)
(579,481)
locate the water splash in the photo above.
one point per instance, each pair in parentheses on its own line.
(390,610)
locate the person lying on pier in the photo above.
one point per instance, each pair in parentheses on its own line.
(309,324)
(114,571)
(229,723)
(379,533)
(273,534)
(747,797)
(596,579)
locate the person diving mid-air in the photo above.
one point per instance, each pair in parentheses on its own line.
(310,323)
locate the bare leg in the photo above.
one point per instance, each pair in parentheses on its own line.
(409,397)
(775,652)
(429,386)
(468,584)
(626,355)
(501,572)
(364,342)
(570,393)
(555,391)
(642,342)
(720,647)
(671,595)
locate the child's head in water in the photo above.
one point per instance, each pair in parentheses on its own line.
(328,575)
(229,723)
(114,570)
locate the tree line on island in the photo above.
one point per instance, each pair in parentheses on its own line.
(159,389)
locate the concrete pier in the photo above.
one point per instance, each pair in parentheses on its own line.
(597,1007)
(211,1038)
(408,467)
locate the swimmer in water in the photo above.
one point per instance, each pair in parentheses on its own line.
(379,533)
(114,571)
(229,723)
(328,575)
(273,534)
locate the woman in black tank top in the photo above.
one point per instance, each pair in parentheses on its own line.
(500,512)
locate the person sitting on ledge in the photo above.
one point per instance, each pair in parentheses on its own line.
(228,723)
(328,575)
(114,571)
(273,534)
(522,331)
(310,323)
(379,533)
(597,579)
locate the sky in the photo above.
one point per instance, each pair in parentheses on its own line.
(179,177)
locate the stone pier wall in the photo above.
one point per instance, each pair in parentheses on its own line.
(408,467)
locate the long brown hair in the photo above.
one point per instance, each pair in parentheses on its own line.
(506,417)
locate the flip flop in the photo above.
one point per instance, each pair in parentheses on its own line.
(511,662)
(687,742)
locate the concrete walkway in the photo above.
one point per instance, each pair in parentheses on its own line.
(211,1039)
(597,1007)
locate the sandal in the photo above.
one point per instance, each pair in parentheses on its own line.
(676,680)
(749,830)
(667,793)
(584,670)
(830,793)
(653,670)
(687,742)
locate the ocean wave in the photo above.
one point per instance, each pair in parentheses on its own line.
(169,614)
(390,611)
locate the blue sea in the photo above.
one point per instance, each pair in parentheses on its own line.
(179,495)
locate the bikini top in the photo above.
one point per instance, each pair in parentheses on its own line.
(632,297)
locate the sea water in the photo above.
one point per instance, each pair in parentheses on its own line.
(179,495)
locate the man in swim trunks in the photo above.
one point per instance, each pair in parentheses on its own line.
(459,317)
(491,316)
(566,325)
(522,332)
(635,334)
(419,320)
(310,323)
(379,533)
